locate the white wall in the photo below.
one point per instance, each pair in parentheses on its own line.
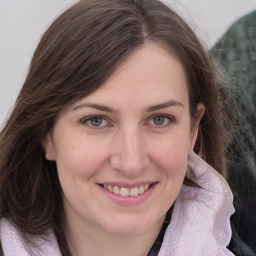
(211,18)
(21,24)
(23,21)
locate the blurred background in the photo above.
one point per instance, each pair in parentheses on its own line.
(23,22)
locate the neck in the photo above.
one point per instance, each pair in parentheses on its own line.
(97,242)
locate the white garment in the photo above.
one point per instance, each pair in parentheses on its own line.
(200,223)
(199,226)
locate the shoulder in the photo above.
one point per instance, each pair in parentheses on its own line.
(13,243)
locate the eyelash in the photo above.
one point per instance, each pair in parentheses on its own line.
(167,118)
(90,118)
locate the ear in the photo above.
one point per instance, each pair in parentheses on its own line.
(48,146)
(195,125)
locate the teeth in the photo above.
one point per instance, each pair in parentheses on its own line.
(110,189)
(134,191)
(141,189)
(116,190)
(126,191)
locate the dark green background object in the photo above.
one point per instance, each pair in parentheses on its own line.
(235,53)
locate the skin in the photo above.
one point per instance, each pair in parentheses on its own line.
(141,134)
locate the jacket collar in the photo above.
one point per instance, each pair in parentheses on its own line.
(200,224)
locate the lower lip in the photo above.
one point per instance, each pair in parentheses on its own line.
(129,200)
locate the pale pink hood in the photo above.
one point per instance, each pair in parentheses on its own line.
(200,223)
(199,227)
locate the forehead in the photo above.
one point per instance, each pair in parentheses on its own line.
(150,74)
(149,68)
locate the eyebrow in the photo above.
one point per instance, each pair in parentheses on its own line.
(167,104)
(96,106)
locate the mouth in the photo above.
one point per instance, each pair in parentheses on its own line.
(127,192)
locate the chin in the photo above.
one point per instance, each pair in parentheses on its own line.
(127,231)
(125,226)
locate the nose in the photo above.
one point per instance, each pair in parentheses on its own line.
(129,153)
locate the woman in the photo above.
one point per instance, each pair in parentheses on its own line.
(95,153)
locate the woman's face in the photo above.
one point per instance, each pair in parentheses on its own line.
(121,152)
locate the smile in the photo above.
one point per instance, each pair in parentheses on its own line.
(125,192)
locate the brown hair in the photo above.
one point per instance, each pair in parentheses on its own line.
(78,52)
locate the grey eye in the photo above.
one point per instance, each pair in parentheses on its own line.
(159,120)
(96,121)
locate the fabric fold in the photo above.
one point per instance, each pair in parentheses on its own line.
(14,245)
(200,224)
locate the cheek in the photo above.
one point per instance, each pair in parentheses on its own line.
(172,151)
(77,166)
(172,158)
(80,158)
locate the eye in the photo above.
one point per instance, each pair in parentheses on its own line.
(95,122)
(161,120)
